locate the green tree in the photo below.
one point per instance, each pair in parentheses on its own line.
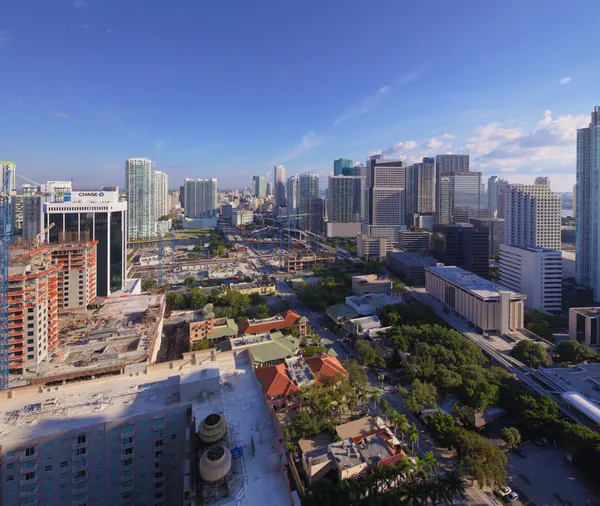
(542,329)
(511,436)
(413,436)
(535,411)
(262,311)
(190,280)
(201,345)
(479,459)
(532,354)
(310,351)
(198,298)
(422,396)
(149,284)
(574,351)
(175,300)
(365,351)
(451,485)
(256,299)
(356,374)
(444,426)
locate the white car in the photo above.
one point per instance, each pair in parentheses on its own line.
(512,497)
(505,491)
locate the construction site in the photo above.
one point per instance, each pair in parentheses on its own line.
(119,337)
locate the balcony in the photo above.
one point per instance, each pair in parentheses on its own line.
(81,467)
(30,481)
(159,456)
(127,455)
(80,502)
(159,447)
(158,480)
(27,458)
(25,470)
(130,467)
(160,487)
(124,445)
(81,479)
(129,488)
(82,490)
(127,500)
(159,426)
(29,493)
(127,478)
(127,434)
(79,446)
(79,456)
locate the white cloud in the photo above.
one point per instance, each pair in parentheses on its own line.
(565,80)
(60,115)
(81,4)
(85,26)
(373,100)
(308,142)
(109,31)
(5,38)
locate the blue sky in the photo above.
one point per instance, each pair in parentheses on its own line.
(228,89)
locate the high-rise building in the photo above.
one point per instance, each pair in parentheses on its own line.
(259,186)
(10,169)
(201,198)
(532,215)
(463,245)
(385,206)
(308,190)
(445,164)
(340,164)
(182,196)
(33,308)
(574,204)
(33,217)
(174,200)
(315,221)
(345,200)
(587,258)
(460,197)
(496,228)
(496,189)
(536,272)
(293,197)
(140,191)
(279,187)
(97,216)
(31,189)
(161,188)
(269,188)
(420,187)
(57,191)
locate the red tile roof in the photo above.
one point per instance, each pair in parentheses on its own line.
(394,459)
(276,381)
(326,366)
(289,318)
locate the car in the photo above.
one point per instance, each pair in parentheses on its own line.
(520,453)
(505,490)
(512,497)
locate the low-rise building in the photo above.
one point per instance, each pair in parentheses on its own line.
(488,306)
(409,265)
(584,325)
(259,287)
(358,327)
(286,320)
(242,217)
(274,352)
(298,263)
(536,272)
(211,328)
(412,240)
(371,283)
(340,312)
(369,304)
(372,246)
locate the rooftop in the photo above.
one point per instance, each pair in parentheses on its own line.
(411,259)
(370,278)
(362,426)
(278,349)
(254,339)
(367,322)
(587,311)
(280,321)
(341,311)
(471,282)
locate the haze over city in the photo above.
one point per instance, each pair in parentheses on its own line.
(206,89)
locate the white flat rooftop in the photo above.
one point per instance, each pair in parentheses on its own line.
(475,284)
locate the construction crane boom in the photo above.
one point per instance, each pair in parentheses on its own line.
(38,237)
(4,242)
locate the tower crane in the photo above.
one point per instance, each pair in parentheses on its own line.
(4,242)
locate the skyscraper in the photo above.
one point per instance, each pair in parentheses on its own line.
(259,186)
(161,186)
(140,191)
(420,187)
(293,194)
(11,169)
(345,205)
(385,207)
(201,198)
(308,190)
(444,164)
(496,189)
(532,215)
(269,188)
(464,245)
(340,164)
(588,211)
(279,185)
(460,197)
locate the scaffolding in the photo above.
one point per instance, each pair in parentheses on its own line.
(4,242)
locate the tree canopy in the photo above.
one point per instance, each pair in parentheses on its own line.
(574,351)
(422,396)
(365,351)
(531,353)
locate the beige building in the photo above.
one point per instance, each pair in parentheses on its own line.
(371,283)
(254,287)
(372,246)
(583,324)
(486,305)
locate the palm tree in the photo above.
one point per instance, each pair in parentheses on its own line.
(450,485)
(413,436)
(403,425)
(351,401)
(431,463)
(375,397)
(386,408)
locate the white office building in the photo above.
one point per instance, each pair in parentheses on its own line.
(345,205)
(536,272)
(532,215)
(140,191)
(279,187)
(496,189)
(57,191)
(161,187)
(587,207)
(488,306)
(201,198)
(94,215)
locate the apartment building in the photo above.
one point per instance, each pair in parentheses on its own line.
(140,189)
(33,308)
(77,274)
(414,239)
(536,272)
(371,246)
(161,197)
(201,198)
(371,283)
(532,215)
(488,306)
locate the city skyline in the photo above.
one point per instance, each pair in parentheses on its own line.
(87,118)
